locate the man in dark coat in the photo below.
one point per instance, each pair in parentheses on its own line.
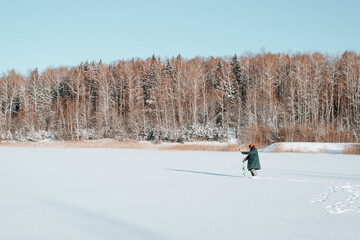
(253,160)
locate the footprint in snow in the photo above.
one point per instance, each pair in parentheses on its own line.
(348,194)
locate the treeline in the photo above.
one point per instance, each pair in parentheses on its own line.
(263,98)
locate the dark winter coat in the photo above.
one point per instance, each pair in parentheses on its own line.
(253,159)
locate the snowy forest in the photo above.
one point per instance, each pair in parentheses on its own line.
(262,98)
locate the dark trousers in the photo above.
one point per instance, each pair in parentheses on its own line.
(253,172)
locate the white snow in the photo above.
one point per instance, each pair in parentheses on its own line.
(112,194)
(308,147)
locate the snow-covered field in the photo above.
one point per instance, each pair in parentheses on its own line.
(113,194)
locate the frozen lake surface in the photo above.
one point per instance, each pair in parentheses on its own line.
(112,194)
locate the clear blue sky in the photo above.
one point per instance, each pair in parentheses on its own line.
(44,33)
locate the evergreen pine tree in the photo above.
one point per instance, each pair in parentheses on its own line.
(235,66)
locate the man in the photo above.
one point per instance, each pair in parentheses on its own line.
(253,160)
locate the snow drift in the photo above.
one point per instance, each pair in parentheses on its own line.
(307,147)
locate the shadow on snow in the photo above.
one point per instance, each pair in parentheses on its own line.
(206,173)
(102,226)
